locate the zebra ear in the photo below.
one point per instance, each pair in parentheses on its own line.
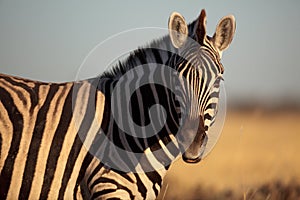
(200,30)
(224,33)
(178,29)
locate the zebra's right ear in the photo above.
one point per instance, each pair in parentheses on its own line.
(178,29)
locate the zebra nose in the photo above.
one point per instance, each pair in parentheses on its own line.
(195,152)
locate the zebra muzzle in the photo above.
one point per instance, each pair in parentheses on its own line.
(196,150)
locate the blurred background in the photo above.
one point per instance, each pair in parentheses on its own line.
(257,154)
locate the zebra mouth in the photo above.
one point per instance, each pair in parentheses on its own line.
(191,160)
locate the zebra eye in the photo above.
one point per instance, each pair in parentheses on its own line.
(217,84)
(218,81)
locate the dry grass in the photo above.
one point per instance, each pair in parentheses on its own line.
(275,190)
(257,157)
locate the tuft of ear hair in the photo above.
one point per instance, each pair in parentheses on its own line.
(178,29)
(200,30)
(224,33)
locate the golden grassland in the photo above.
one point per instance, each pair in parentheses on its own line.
(256,157)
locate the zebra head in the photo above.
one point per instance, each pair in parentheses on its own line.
(199,64)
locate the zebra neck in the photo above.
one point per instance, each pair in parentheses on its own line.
(129,136)
(142,149)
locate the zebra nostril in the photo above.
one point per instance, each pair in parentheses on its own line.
(206,128)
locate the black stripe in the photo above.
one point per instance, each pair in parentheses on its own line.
(207,73)
(125,175)
(76,147)
(214,94)
(141,55)
(35,144)
(207,116)
(157,55)
(87,160)
(209,96)
(155,178)
(57,143)
(106,191)
(211,106)
(211,61)
(141,188)
(137,108)
(34,97)
(15,89)
(32,91)
(114,198)
(102,192)
(94,173)
(17,121)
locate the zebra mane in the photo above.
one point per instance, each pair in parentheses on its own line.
(142,55)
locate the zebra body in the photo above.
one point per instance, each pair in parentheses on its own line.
(51,133)
(41,127)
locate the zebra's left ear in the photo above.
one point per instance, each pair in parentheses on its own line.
(224,33)
(178,30)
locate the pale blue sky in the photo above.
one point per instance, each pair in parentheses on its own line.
(48,41)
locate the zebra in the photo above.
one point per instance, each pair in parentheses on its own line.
(51,134)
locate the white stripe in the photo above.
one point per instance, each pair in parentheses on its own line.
(5,124)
